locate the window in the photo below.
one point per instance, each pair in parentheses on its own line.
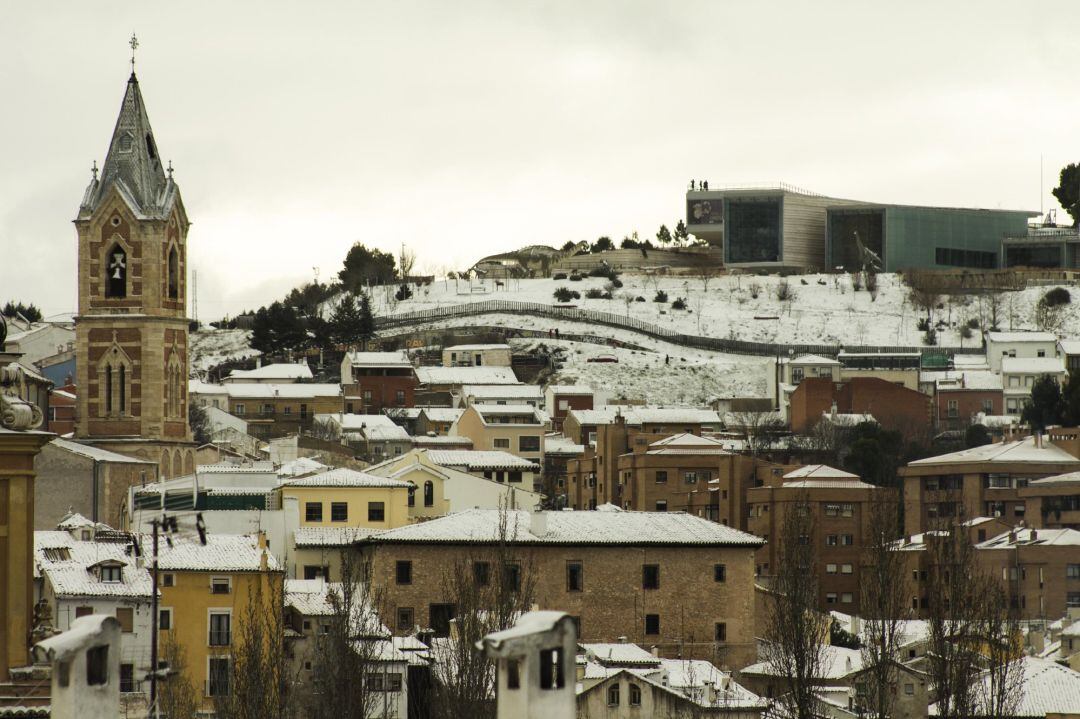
(501,443)
(512,576)
(719,572)
(830,569)
(314,571)
(1072,571)
(97,666)
(661,505)
(831,540)
(847,540)
(399,397)
(613,695)
(313,511)
(690,477)
(174,275)
(661,477)
(127,678)
(339,511)
(83,611)
(846,569)
(551,669)
(514,476)
(846,598)
(1072,599)
(909,689)
(797,374)
(239,410)
(429,493)
(165,619)
(652,624)
(168,580)
(952,257)
(513,674)
(635,695)
(574,578)
(720,632)
(830,598)
(482,573)
(832,510)
(219,585)
(405,620)
(126,617)
(403,572)
(376,511)
(953,408)
(988,406)
(218,681)
(287,410)
(111,573)
(220,629)
(116,273)
(529,443)
(650,576)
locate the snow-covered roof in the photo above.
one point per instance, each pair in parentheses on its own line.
(643,415)
(1033,537)
(311,597)
(1068,478)
(819,471)
(96,453)
(465,375)
(573,527)
(330,536)
(619,653)
(442,440)
(844,419)
(501,410)
(267,390)
(475,348)
(343,477)
(379,359)
(691,674)
(1045,687)
(386,434)
(1070,347)
(442,414)
(499,391)
(561,444)
(1015,337)
(837,663)
(353,422)
(1032,365)
(280,370)
(196,386)
(221,553)
(809,359)
(68,565)
(983,380)
(299,466)
(996,420)
(570,389)
(479,459)
(1022,450)
(685,439)
(74,520)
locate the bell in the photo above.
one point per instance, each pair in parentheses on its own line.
(116,274)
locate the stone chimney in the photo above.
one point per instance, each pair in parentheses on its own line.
(538,523)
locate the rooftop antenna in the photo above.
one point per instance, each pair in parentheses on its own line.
(134,43)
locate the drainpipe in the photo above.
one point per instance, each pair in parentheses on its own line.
(94,489)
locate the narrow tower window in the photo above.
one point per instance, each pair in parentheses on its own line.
(116,272)
(123,389)
(108,389)
(174,283)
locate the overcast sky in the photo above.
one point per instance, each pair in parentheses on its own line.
(465,128)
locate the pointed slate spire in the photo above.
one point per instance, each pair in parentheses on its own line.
(133,163)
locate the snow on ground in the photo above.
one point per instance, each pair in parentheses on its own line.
(211,347)
(825,308)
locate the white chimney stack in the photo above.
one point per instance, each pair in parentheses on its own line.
(538,523)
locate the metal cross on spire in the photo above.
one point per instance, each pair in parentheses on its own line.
(134,43)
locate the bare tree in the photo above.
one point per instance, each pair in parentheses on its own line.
(345,655)
(795,632)
(406,262)
(176,693)
(762,429)
(490,588)
(883,603)
(258,685)
(1002,683)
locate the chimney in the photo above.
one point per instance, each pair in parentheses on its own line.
(1012,537)
(622,639)
(832,411)
(258,362)
(538,523)
(655,651)
(1034,535)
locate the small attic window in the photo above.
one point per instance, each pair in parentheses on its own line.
(112,573)
(150,149)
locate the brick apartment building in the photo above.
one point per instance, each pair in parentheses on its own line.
(670,580)
(560,399)
(374,381)
(957,399)
(1055,501)
(839,503)
(986,481)
(279,410)
(894,407)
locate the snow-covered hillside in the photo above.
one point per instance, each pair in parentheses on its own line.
(825,309)
(210,347)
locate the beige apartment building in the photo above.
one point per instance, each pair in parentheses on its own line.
(517,429)
(494,355)
(1054,500)
(669,580)
(839,503)
(278,410)
(986,481)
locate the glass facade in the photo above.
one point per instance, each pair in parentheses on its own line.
(1033,256)
(752,229)
(844,226)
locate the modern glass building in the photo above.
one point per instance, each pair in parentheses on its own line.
(907,237)
(1043,247)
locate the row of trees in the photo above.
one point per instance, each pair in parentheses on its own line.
(972,625)
(289,326)
(29,311)
(664,238)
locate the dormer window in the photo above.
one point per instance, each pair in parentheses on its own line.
(112,573)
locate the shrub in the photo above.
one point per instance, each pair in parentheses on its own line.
(856,281)
(639,298)
(930,338)
(594,293)
(599,272)
(973,323)
(871,283)
(606,296)
(803,281)
(403,293)
(559,276)
(678,304)
(564,294)
(661,296)
(784,293)
(575,277)
(1057,296)
(966,332)
(616,282)
(923,324)
(755,290)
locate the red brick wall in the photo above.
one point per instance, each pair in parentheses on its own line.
(968,402)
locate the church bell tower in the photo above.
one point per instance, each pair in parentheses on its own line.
(131,327)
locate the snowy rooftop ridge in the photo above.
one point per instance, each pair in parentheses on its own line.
(343,477)
(96,453)
(221,553)
(1030,537)
(643,415)
(294,390)
(465,375)
(479,459)
(819,471)
(330,536)
(572,528)
(379,359)
(1021,450)
(281,370)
